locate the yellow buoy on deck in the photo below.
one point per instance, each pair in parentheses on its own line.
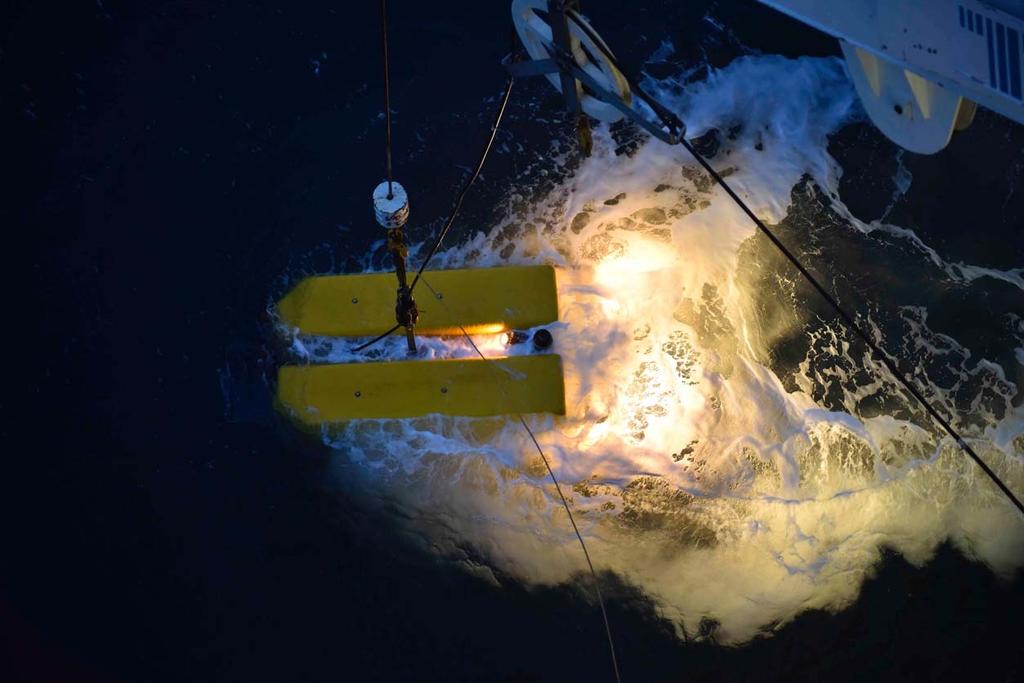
(480,300)
(323,394)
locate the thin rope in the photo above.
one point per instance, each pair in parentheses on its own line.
(387,93)
(377,339)
(565,503)
(576,530)
(469,183)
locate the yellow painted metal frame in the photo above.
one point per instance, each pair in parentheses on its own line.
(481,300)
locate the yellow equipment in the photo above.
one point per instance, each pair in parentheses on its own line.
(322,394)
(481,300)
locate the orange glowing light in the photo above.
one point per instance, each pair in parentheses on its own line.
(481,328)
(489,328)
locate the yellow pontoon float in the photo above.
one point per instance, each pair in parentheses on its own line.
(477,301)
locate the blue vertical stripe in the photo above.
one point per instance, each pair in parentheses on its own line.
(991,55)
(1013,43)
(977,25)
(961,16)
(970,20)
(1001,49)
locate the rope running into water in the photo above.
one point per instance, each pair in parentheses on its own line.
(387,93)
(565,503)
(469,183)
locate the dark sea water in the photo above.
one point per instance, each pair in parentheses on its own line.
(172,166)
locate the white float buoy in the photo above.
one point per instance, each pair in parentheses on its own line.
(391,212)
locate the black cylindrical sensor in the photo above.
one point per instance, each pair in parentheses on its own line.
(542,339)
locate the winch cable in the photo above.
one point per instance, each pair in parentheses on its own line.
(857,329)
(387,92)
(469,183)
(831,300)
(547,464)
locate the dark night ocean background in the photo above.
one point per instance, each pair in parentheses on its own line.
(170,166)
